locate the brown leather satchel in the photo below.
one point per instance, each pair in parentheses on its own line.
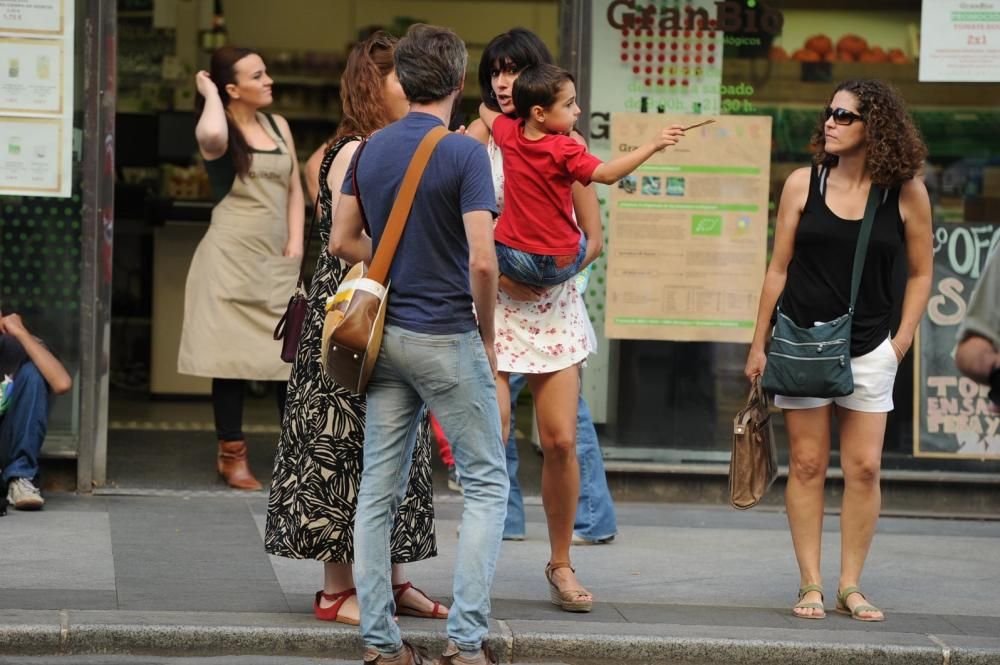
(352,331)
(754,462)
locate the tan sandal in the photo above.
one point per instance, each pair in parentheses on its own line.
(567,599)
(809,588)
(844,608)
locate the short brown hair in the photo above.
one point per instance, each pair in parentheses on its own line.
(430,63)
(538,85)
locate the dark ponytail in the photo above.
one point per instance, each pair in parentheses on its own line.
(222,69)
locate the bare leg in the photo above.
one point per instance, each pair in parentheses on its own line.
(809,456)
(503,401)
(556,396)
(861,436)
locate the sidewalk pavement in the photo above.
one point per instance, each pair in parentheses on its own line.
(185,573)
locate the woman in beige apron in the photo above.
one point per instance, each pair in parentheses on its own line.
(246,266)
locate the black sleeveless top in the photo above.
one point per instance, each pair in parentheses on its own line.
(818,288)
(222,171)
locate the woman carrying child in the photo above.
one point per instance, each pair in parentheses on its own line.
(541,321)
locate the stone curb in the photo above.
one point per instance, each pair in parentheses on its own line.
(183,635)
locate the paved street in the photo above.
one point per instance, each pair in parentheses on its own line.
(185,574)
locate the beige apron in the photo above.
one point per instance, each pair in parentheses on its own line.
(239,282)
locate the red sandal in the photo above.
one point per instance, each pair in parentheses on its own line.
(332,613)
(397,593)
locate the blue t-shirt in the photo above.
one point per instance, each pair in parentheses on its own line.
(430,291)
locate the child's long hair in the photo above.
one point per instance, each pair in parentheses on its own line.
(362,84)
(222,69)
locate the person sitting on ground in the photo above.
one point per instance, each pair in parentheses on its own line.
(28,372)
(538,240)
(978,352)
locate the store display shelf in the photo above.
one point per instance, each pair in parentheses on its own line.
(783,82)
(307,81)
(307,116)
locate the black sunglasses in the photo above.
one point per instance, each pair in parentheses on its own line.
(841,116)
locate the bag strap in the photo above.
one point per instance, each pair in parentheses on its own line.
(354,184)
(861,249)
(379,269)
(305,245)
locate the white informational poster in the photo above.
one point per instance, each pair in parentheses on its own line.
(31,76)
(30,155)
(687,244)
(960,41)
(36,97)
(36,17)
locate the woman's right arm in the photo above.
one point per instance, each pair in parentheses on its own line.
(479,131)
(311,171)
(793,202)
(211,131)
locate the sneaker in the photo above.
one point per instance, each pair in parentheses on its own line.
(580,540)
(514,537)
(23,495)
(453,482)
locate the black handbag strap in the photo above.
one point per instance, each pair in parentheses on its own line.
(861,249)
(305,245)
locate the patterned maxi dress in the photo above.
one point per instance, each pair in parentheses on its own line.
(317,467)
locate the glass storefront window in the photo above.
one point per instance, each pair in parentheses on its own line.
(673,402)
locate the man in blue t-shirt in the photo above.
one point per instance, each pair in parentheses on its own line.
(28,373)
(433,350)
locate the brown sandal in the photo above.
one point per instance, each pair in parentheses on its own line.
(397,594)
(567,599)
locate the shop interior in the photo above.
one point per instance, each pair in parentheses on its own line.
(654,410)
(160,422)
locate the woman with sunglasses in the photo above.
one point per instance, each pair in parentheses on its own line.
(317,467)
(864,138)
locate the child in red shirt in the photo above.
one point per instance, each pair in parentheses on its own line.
(538,240)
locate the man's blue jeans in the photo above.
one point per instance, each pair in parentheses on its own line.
(23,426)
(595,512)
(450,373)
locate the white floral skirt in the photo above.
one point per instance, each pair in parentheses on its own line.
(545,336)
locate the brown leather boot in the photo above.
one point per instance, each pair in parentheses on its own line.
(408,655)
(232,465)
(452,656)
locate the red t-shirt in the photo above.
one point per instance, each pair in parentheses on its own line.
(538,176)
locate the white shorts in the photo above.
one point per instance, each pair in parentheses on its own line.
(874,375)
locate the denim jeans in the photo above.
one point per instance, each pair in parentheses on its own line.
(450,373)
(595,512)
(23,426)
(538,269)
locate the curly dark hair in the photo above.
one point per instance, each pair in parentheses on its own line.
(894,149)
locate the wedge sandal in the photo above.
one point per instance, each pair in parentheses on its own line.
(569,600)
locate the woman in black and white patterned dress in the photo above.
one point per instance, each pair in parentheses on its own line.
(317,467)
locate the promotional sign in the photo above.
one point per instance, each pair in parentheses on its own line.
(36,97)
(664,59)
(687,243)
(960,40)
(951,412)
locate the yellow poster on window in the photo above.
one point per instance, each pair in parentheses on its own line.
(687,239)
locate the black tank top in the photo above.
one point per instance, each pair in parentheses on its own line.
(818,288)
